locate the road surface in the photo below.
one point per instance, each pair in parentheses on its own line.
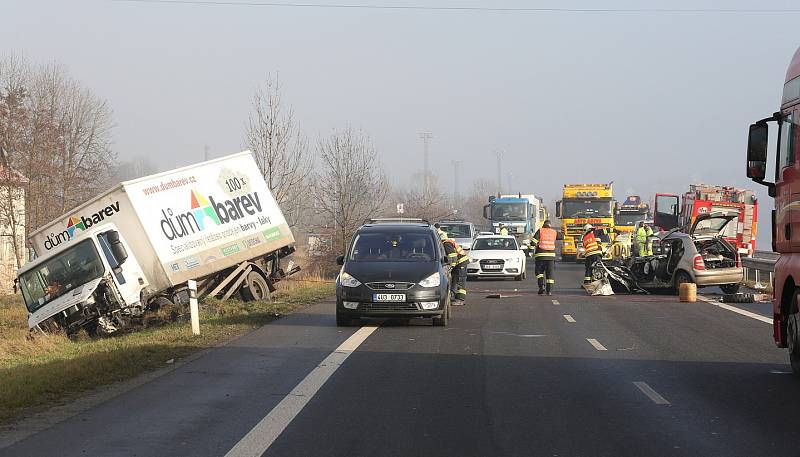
(526,375)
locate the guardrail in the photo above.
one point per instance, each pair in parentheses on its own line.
(758,268)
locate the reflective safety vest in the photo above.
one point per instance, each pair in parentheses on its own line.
(590,244)
(504,231)
(547,239)
(641,235)
(455,253)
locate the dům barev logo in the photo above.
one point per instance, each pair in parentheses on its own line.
(206,210)
(77,224)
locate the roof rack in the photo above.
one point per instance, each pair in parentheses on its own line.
(395,220)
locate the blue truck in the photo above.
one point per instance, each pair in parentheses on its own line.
(521,214)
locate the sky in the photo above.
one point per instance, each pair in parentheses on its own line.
(652,101)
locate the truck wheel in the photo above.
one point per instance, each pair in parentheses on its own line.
(730,289)
(257,287)
(792,342)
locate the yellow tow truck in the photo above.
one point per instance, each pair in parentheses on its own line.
(583,204)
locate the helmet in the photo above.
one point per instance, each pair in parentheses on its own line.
(588,227)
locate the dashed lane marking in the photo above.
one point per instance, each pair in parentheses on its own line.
(261,437)
(651,394)
(569,318)
(596,344)
(736,310)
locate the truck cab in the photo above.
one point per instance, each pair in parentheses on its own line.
(91,282)
(516,213)
(786,216)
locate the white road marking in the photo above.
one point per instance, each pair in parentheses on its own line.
(556,302)
(741,311)
(596,344)
(569,318)
(651,394)
(261,437)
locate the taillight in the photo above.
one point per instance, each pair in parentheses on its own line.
(698,263)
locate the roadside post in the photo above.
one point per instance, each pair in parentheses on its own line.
(193,308)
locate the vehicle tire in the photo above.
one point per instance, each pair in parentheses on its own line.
(257,287)
(442,320)
(730,289)
(680,278)
(519,277)
(342,320)
(792,335)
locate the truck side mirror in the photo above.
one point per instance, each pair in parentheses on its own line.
(757,140)
(486,211)
(117,249)
(340,260)
(558,209)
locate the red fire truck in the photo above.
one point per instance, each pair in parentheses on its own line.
(786,215)
(701,199)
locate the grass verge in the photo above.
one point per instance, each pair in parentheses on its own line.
(54,369)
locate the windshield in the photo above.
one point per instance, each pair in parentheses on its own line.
(393,247)
(489,244)
(509,211)
(573,209)
(714,225)
(70,269)
(629,219)
(456,230)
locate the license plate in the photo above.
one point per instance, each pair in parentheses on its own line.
(492,267)
(389,297)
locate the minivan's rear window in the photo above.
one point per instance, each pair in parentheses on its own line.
(393,247)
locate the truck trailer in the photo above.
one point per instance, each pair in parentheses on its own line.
(133,248)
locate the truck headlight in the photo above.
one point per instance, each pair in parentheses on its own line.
(348,281)
(431,281)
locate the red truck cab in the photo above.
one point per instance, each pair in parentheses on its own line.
(786,215)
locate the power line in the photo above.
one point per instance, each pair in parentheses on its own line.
(476,8)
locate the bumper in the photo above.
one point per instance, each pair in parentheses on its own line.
(474,270)
(411,307)
(719,276)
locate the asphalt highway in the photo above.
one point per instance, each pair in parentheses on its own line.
(523,375)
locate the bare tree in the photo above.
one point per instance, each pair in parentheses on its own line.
(350,186)
(12,208)
(426,202)
(478,197)
(281,151)
(58,134)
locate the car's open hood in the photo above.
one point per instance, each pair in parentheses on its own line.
(711,224)
(71,298)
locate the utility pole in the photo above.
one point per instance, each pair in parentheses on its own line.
(510,180)
(456,173)
(426,137)
(499,156)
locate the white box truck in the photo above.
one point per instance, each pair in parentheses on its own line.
(134,248)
